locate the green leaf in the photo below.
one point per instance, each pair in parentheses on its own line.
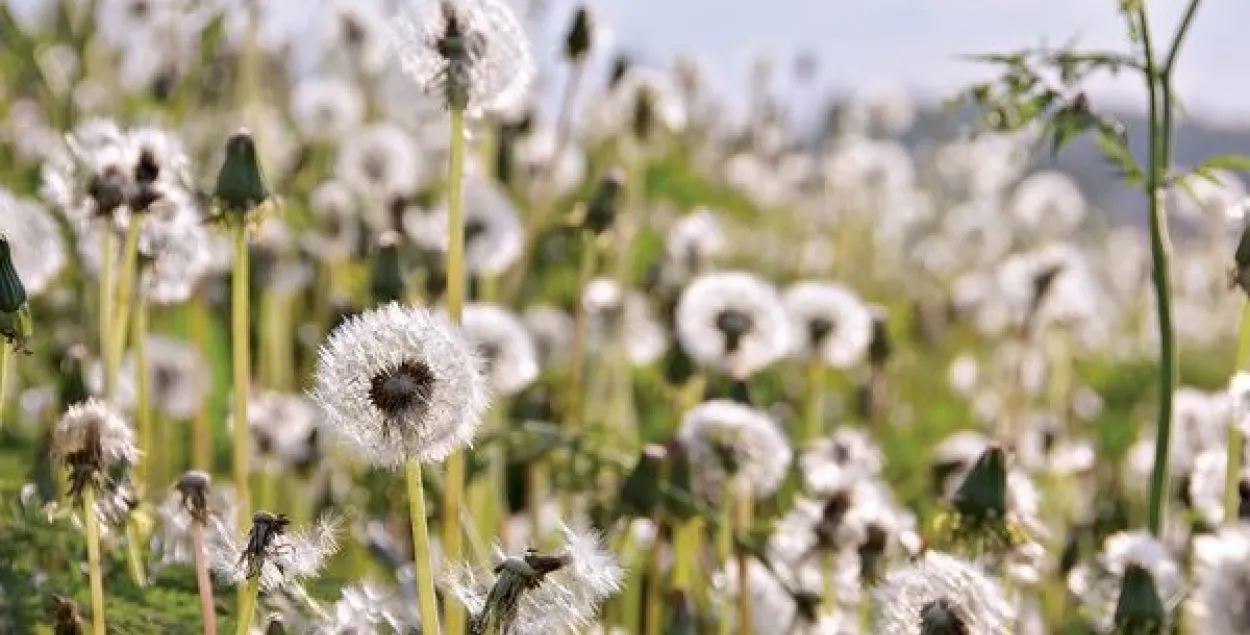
(1114,146)
(1230,162)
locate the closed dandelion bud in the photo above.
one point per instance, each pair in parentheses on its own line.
(388,283)
(1139,611)
(601,211)
(579,39)
(240,182)
(1240,274)
(12,291)
(641,490)
(983,493)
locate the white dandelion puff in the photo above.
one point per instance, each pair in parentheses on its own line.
(35,242)
(401,382)
(503,341)
(732,321)
(828,322)
(725,441)
(940,593)
(280,558)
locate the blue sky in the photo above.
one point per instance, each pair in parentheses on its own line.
(916,42)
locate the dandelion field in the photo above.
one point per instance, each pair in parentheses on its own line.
(344,328)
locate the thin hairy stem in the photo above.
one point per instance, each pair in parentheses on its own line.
(247,605)
(202,582)
(94,575)
(453,538)
(241,373)
(421,557)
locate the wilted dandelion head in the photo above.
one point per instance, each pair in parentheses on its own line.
(1099,585)
(504,343)
(34,241)
(1220,604)
(401,382)
(939,594)
(473,53)
(90,438)
(533,593)
(828,322)
(732,321)
(193,487)
(725,440)
(279,557)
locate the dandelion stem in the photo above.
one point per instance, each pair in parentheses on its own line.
(1236,443)
(4,378)
(421,550)
(134,555)
(143,410)
(453,538)
(724,552)
(201,427)
(108,258)
(813,417)
(654,603)
(744,512)
(577,357)
(247,605)
(93,561)
(125,290)
(202,581)
(241,369)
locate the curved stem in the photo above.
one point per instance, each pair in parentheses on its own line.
(93,561)
(241,373)
(202,582)
(453,537)
(421,550)
(247,606)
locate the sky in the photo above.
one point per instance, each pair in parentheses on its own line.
(917,42)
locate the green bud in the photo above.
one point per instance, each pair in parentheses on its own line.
(17,328)
(641,489)
(601,211)
(387,283)
(579,39)
(1139,609)
(12,291)
(72,388)
(983,493)
(241,182)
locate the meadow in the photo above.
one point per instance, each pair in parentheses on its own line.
(345,329)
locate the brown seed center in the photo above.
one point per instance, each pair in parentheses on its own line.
(403,390)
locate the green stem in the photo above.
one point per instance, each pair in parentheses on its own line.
(247,605)
(202,433)
(577,356)
(202,581)
(93,561)
(4,378)
(108,264)
(724,552)
(453,538)
(125,292)
(1236,443)
(814,415)
(744,512)
(421,550)
(134,555)
(241,373)
(143,411)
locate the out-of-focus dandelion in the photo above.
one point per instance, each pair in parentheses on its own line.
(505,345)
(34,241)
(940,593)
(732,321)
(727,441)
(493,235)
(326,108)
(534,593)
(1219,603)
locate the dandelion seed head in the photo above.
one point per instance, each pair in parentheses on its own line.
(1220,604)
(732,321)
(552,331)
(338,232)
(96,428)
(504,343)
(288,560)
(34,241)
(1099,584)
(474,53)
(828,322)
(380,162)
(1048,203)
(941,591)
(832,463)
(283,427)
(696,241)
(399,382)
(326,108)
(727,441)
(493,235)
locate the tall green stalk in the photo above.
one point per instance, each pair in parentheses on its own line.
(247,605)
(814,413)
(453,538)
(426,598)
(1159,87)
(1236,443)
(203,582)
(143,409)
(108,265)
(241,372)
(4,377)
(94,575)
(125,291)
